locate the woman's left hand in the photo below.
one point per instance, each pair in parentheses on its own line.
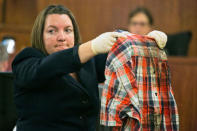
(160,38)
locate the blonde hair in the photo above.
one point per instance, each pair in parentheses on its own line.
(38,27)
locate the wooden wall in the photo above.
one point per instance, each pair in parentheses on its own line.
(184,84)
(98,16)
(17,17)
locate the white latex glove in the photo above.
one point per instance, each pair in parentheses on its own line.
(160,38)
(104,42)
(126,33)
(14,128)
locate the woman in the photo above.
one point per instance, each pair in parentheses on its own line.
(56,79)
(3,58)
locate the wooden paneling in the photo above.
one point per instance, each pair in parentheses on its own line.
(20,12)
(98,16)
(1,10)
(18,17)
(184,84)
(188,14)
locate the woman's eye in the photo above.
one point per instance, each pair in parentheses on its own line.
(51,31)
(68,30)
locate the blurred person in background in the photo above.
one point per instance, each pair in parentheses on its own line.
(140,21)
(9,44)
(3,58)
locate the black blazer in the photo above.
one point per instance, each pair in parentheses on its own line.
(48,99)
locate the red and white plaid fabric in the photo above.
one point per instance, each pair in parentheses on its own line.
(137,93)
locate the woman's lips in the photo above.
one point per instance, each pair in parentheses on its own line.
(61,47)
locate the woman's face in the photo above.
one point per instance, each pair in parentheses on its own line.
(58,33)
(139,24)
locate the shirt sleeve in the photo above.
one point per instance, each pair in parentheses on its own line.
(31,66)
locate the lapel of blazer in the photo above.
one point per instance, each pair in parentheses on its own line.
(76,84)
(87,77)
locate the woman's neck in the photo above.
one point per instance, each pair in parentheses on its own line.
(74,75)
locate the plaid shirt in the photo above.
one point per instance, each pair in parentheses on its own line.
(137,93)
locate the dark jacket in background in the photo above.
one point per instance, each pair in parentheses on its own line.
(48,99)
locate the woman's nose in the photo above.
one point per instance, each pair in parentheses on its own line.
(61,36)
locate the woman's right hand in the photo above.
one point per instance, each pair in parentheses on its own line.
(104,42)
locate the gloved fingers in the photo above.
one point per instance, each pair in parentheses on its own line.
(112,40)
(160,38)
(109,43)
(126,33)
(108,48)
(158,35)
